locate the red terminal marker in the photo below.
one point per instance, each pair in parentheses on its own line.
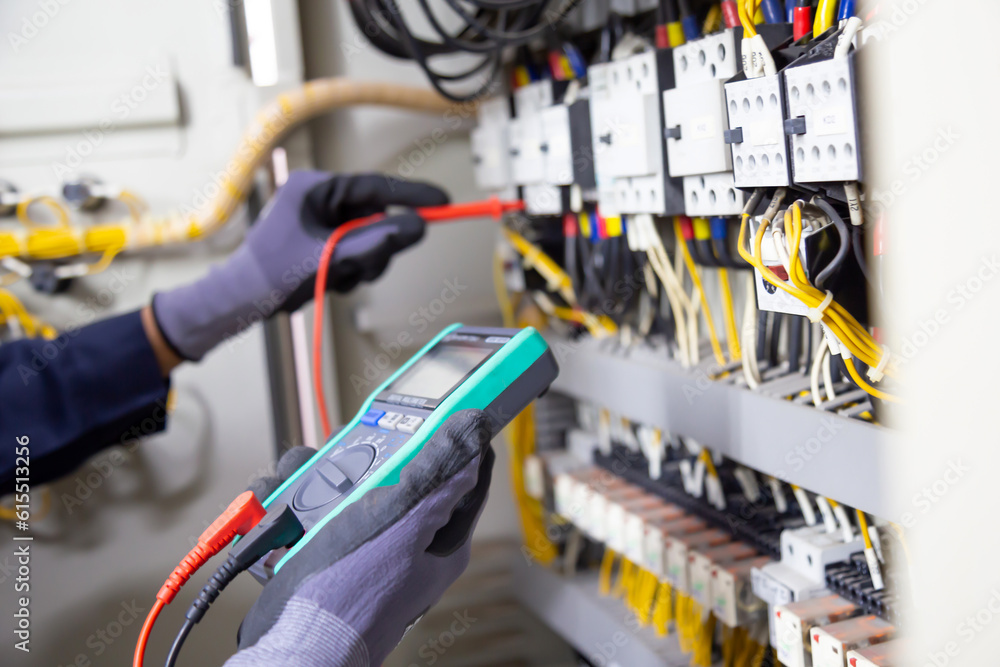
(730,14)
(687,228)
(801,22)
(662,38)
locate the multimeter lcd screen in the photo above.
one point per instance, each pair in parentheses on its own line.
(438,371)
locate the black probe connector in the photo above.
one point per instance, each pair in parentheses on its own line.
(280,528)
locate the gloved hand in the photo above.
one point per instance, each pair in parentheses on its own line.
(349,595)
(276,266)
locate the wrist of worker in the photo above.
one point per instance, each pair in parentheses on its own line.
(231,298)
(305,635)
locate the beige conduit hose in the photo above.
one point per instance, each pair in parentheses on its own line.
(271,125)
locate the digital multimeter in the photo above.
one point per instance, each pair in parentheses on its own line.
(499,371)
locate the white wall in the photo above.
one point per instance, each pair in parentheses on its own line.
(122,540)
(931,103)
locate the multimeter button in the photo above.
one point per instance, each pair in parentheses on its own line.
(390,420)
(333,476)
(409,424)
(371,417)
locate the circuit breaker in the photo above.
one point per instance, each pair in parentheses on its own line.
(625,125)
(823,121)
(490,144)
(695,123)
(756,110)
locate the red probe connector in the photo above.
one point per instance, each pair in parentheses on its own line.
(240,517)
(493,207)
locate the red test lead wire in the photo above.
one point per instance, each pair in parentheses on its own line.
(240,517)
(493,207)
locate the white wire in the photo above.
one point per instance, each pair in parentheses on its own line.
(751,372)
(821,353)
(828,378)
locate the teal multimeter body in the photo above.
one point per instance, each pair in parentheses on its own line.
(499,371)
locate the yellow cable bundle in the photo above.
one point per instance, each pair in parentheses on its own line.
(686,621)
(703,641)
(663,610)
(732,331)
(646,597)
(522,445)
(696,279)
(521,435)
(272,124)
(11,308)
(534,258)
(843,325)
(607,568)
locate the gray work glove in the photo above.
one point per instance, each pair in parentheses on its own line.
(275,268)
(349,595)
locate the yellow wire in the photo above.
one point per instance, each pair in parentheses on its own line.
(732,331)
(62,215)
(663,608)
(535,258)
(503,296)
(748,27)
(842,323)
(696,279)
(853,372)
(826,13)
(863,525)
(709,464)
(713,19)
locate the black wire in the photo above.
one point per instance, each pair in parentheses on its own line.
(705,253)
(512,38)
(175,648)
(845,243)
(670,12)
(794,342)
(762,318)
(416,53)
(809,349)
(858,243)
(773,352)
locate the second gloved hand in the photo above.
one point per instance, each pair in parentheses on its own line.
(346,598)
(275,268)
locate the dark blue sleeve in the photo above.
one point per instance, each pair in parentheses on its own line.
(92,387)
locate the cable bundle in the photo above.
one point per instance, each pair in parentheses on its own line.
(489,28)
